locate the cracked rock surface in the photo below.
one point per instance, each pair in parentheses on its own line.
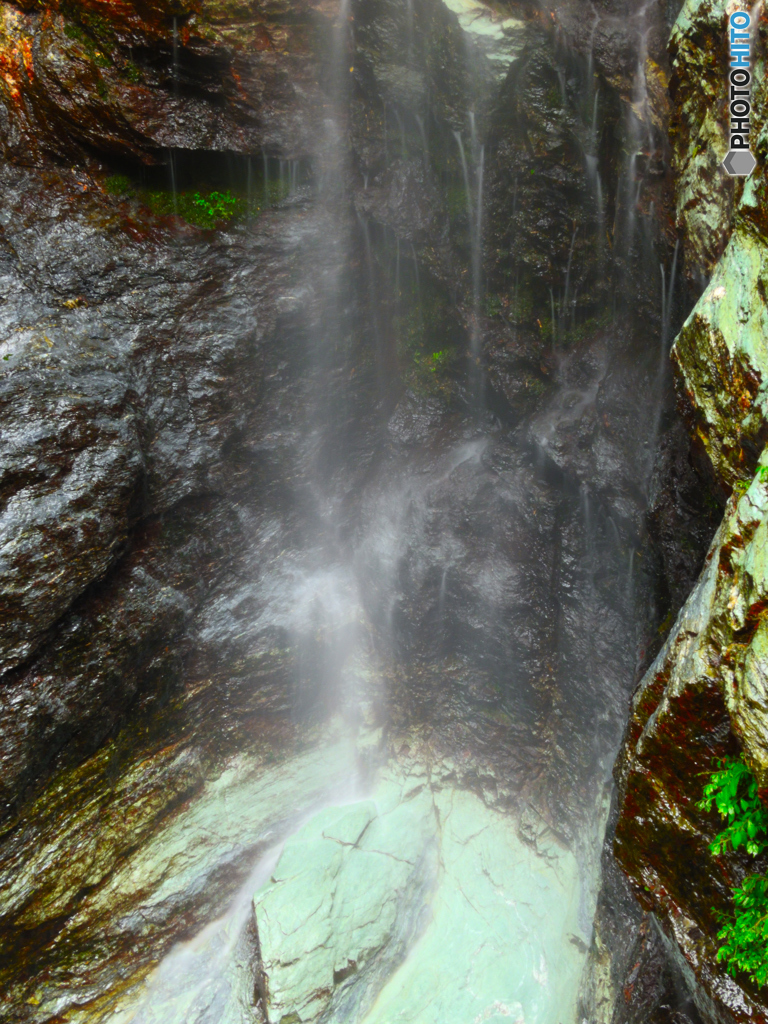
(419,903)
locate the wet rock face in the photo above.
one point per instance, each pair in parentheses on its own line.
(70,490)
(719,353)
(702,694)
(721,359)
(133,81)
(703,697)
(98,437)
(682,516)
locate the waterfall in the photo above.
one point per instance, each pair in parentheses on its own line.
(473,191)
(428,612)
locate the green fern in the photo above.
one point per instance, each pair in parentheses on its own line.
(733,791)
(745,938)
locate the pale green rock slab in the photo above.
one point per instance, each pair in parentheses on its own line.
(501,37)
(417,905)
(503,939)
(435,913)
(721,354)
(343,905)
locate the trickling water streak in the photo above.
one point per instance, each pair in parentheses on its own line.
(265,163)
(334,153)
(554,318)
(475,222)
(174,190)
(477,243)
(441,598)
(345,7)
(639,126)
(195,973)
(671,294)
(564,310)
(424,146)
(593,128)
(175,54)
(632,203)
(249,186)
(600,212)
(409,31)
(473,133)
(465,173)
(561,81)
(667,295)
(615,532)
(403,144)
(591,57)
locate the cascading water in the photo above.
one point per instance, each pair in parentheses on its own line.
(340,600)
(450,597)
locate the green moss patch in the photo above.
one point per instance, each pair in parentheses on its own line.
(204,206)
(428,348)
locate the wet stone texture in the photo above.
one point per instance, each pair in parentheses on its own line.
(720,352)
(703,696)
(290,477)
(135,80)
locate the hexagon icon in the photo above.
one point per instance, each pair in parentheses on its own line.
(739,163)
